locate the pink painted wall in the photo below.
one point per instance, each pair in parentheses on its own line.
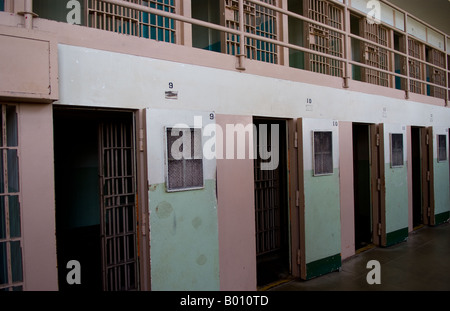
(37,200)
(236,214)
(346,189)
(32,67)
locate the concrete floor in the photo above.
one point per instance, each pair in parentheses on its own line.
(422,263)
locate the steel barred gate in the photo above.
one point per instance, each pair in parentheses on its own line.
(267,202)
(118,206)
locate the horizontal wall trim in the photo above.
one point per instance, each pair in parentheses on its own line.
(442,217)
(323,266)
(396,237)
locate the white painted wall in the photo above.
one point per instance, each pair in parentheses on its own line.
(104,79)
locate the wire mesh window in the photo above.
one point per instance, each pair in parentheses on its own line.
(396,150)
(11,273)
(184,159)
(324,40)
(323,153)
(259,20)
(123,20)
(442,148)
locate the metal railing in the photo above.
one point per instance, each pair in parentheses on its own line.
(343,58)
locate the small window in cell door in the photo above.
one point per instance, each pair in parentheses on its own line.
(442,148)
(323,153)
(184,159)
(397,150)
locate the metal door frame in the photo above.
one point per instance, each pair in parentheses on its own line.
(297,197)
(138,125)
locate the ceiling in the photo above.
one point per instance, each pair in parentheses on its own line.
(434,12)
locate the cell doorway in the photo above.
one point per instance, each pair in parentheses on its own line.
(362,186)
(422,176)
(271,202)
(95,194)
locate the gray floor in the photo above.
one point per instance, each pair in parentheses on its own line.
(422,263)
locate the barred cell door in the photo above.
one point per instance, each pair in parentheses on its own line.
(373,55)
(436,75)
(118,205)
(322,39)
(271,206)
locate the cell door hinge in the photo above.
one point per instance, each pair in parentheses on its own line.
(429,211)
(428,176)
(379,229)
(427,139)
(379,184)
(296,140)
(297,198)
(378,140)
(299,257)
(141,140)
(143,223)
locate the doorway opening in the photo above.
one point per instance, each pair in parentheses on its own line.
(95,194)
(422,178)
(271,203)
(362,186)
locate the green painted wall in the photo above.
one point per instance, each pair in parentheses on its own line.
(396,200)
(322,216)
(441,187)
(184,238)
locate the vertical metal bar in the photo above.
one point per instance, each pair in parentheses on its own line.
(125,192)
(407,82)
(241,54)
(102,209)
(446,72)
(96,18)
(8,239)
